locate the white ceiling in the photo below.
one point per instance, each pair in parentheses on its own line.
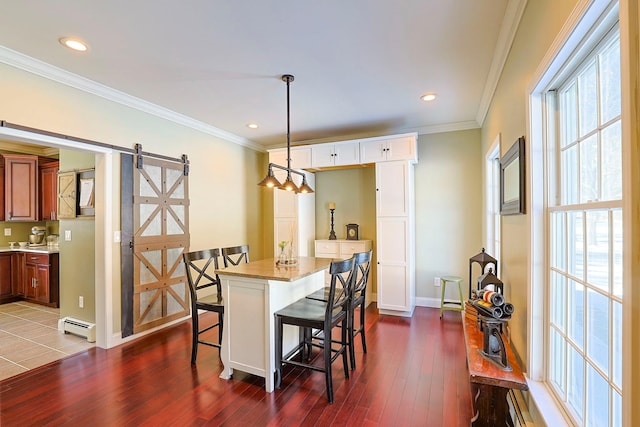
(360,66)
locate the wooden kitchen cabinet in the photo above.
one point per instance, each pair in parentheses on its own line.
(21,187)
(335,154)
(17,276)
(49,191)
(401,147)
(6,285)
(1,188)
(41,279)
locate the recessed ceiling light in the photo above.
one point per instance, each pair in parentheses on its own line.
(252,126)
(74,44)
(428,97)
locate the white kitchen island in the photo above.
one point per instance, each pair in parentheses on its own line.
(252,293)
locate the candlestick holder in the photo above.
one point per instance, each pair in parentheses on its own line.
(332,234)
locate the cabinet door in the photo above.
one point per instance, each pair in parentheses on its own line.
(1,189)
(347,249)
(392,195)
(284,228)
(403,148)
(21,188)
(373,151)
(346,153)
(18,273)
(30,277)
(284,203)
(42,283)
(49,192)
(67,195)
(393,263)
(6,288)
(322,155)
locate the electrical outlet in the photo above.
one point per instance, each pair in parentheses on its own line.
(67,235)
(81,301)
(7,232)
(436,281)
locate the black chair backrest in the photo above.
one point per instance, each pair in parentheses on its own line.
(234,255)
(200,274)
(341,283)
(361,266)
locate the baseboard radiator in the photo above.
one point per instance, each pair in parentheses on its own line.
(78,327)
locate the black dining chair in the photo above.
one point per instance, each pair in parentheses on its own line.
(311,315)
(357,299)
(234,255)
(200,266)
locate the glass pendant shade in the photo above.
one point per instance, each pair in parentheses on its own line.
(304,187)
(289,185)
(270,180)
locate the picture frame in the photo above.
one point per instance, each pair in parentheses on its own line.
(512,179)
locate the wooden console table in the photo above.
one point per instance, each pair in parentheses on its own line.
(489,384)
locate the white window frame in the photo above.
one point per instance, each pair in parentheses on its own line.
(584,16)
(492,201)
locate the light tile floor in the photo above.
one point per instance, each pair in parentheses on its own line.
(29,338)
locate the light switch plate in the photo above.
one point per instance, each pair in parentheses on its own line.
(7,232)
(436,281)
(67,235)
(117,236)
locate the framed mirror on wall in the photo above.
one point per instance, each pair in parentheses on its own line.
(512,176)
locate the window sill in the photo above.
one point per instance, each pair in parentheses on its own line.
(546,405)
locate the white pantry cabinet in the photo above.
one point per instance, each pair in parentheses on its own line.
(395,231)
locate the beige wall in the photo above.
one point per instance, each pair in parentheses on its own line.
(507,117)
(226,205)
(449,214)
(77,257)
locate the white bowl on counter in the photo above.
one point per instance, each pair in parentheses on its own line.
(23,244)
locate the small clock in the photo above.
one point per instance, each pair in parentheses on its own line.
(352,231)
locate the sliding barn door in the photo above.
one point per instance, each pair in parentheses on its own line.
(160,234)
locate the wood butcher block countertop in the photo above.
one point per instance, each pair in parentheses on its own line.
(268,270)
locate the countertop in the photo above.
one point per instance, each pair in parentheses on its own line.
(32,249)
(268,270)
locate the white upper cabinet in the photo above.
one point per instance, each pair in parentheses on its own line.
(300,157)
(335,154)
(402,147)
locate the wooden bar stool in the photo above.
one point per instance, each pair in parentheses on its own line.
(451,304)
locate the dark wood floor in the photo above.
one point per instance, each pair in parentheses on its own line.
(414,374)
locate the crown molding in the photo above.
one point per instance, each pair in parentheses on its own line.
(508,29)
(446,127)
(48,71)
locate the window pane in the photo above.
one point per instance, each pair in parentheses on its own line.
(587,86)
(598,329)
(569,118)
(597,399)
(558,300)
(617,343)
(575,244)
(598,249)
(616,233)
(617,409)
(589,178)
(576,382)
(610,81)
(576,313)
(612,162)
(570,175)
(558,244)
(557,355)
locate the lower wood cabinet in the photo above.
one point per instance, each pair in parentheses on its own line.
(340,249)
(29,276)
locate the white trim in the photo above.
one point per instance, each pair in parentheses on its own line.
(508,29)
(446,127)
(48,71)
(547,407)
(490,236)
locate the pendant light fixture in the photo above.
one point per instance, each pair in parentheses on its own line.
(270,180)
